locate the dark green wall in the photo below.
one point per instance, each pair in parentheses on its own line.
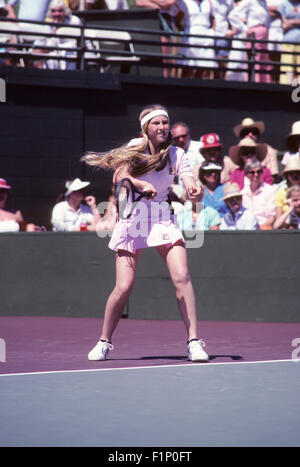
(51,118)
(246,276)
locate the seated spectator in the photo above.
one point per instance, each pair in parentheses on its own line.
(237,217)
(60,14)
(210,177)
(182,138)
(291,174)
(211,150)
(290,16)
(254,129)
(192,218)
(259,196)
(292,143)
(290,219)
(243,152)
(11,220)
(78,211)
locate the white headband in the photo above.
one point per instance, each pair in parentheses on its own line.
(154,113)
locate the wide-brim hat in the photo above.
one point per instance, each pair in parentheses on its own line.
(76,185)
(260,150)
(248,123)
(231,190)
(292,165)
(4,185)
(290,139)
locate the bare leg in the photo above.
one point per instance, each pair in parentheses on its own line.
(126,264)
(176,261)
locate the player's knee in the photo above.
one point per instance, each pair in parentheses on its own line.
(181,279)
(124,289)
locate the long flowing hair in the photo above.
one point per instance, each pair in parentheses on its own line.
(134,155)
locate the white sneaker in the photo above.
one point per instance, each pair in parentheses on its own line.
(196,352)
(100,351)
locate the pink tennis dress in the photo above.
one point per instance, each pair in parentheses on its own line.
(151,222)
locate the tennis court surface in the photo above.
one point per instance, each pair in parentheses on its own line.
(147,394)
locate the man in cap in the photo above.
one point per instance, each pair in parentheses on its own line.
(211,150)
(254,129)
(237,217)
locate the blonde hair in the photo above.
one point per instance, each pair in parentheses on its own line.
(133,155)
(293,189)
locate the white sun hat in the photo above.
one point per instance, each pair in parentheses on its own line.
(76,185)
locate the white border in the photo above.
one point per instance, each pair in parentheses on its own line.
(186,365)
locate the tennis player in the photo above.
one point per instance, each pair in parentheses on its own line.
(149,164)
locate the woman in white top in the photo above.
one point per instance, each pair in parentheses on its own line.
(72,214)
(197,19)
(256,21)
(60,14)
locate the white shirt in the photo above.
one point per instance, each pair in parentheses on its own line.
(244,220)
(195,15)
(117,4)
(221,10)
(9,226)
(261,202)
(64,218)
(254,11)
(193,153)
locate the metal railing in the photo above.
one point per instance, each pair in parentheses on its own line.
(139,39)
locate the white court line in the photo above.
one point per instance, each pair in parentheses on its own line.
(190,365)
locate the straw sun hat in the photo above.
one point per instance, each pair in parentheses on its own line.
(293,165)
(248,123)
(260,149)
(231,190)
(291,137)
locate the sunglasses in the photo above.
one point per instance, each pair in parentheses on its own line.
(255,172)
(254,131)
(2,191)
(248,152)
(58,10)
(211,172)
(294,174)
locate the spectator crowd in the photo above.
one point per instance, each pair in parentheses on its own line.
(248,189)
(217,39)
